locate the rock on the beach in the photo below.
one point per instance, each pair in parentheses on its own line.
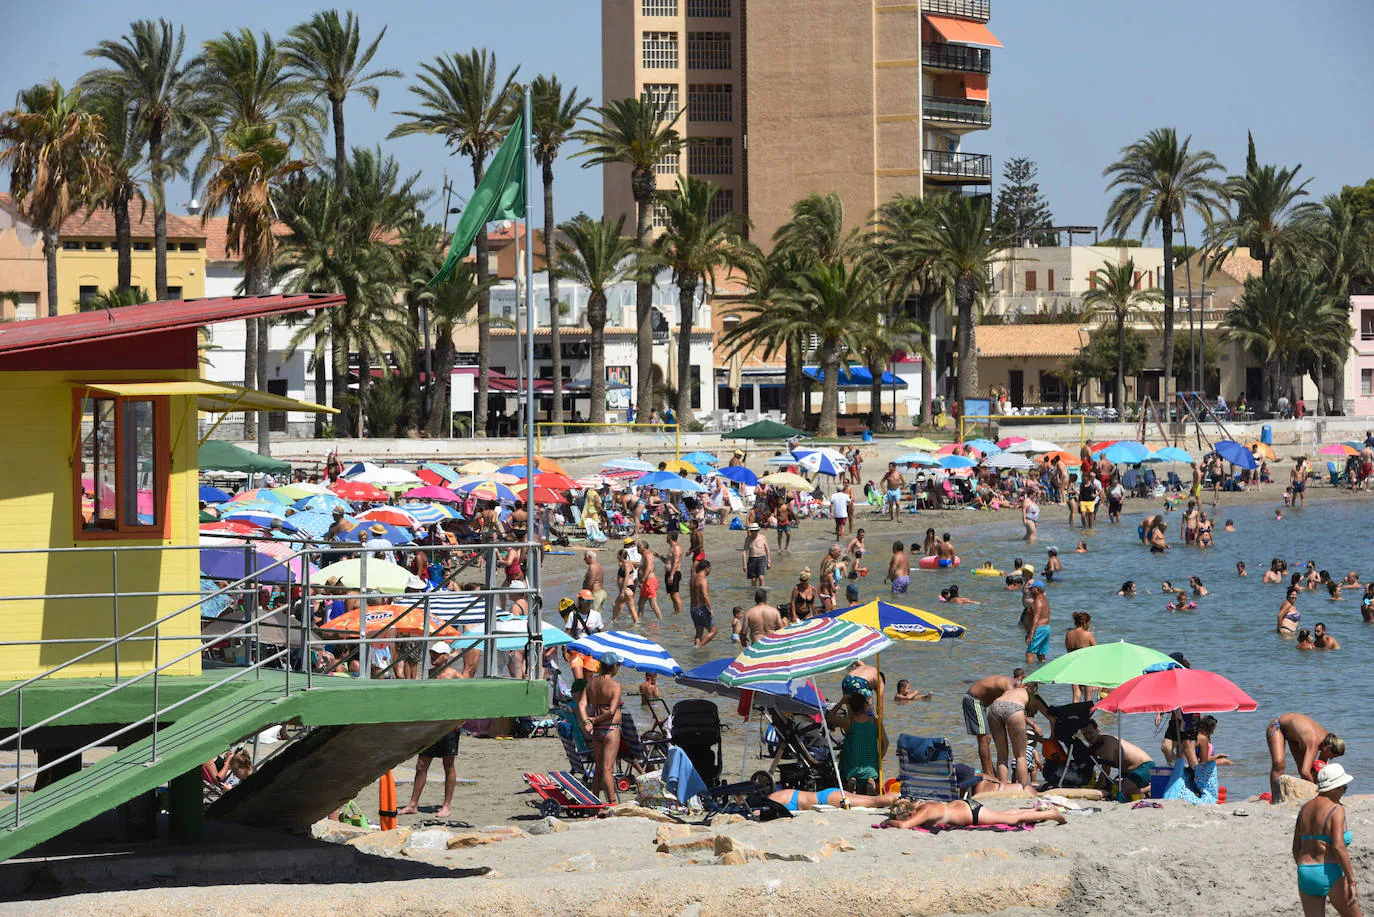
(689,847)
(729,845)
(732,858)
(463,841)
(1294,789)
(382,843)
(791,857)
(630,810)
(583,862)
(838,845)
(427,839)
(667,834)
(728,818)
(336,832)
(549,824)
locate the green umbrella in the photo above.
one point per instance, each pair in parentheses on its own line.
(1107,665)
(764,429)
(218,455)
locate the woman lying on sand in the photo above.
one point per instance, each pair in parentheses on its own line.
(963,813)
(802,801)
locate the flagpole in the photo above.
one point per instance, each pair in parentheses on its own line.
(531,503)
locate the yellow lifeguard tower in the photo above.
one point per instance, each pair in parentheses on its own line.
(100,607)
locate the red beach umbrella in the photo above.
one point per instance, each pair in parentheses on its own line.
(1188,690)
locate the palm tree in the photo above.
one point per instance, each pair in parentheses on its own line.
(771,324)
(463,101)
(902,232)
(327,56)
(115,299)
(596,255)
(1269,218)
(891,330)
(840,302)
(1326,339)
(637,133)
(964,250)
(147,68)
(1114,299)
(452,306)
(124,158)
(1263,323)
(55,153)
(1159,180)
(1340,249)
(693,246)
(554,114)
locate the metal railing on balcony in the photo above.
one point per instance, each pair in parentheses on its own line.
(956,111)
(966,166)
(965,9)
(944,56)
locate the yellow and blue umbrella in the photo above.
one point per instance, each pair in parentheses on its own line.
(899,622)
(487,490)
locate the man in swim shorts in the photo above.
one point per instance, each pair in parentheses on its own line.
(1037,624)
(899,569)
(1299,479)
(892,483)
(703,617)
(945,551)
(979,695)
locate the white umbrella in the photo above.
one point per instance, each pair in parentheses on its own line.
(1033,447)
(834,455)
(1009,460)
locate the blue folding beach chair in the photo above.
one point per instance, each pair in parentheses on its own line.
(926,768)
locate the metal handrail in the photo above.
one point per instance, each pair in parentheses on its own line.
(968,9)
(956,57)
(963,111)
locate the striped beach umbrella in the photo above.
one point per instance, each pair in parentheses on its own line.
(635,652)
(802,650)
(899,622)
(1009,460)
(487,490)
(260,517)
(429,513)
(821,463)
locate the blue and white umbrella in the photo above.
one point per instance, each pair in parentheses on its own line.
(820,463)
(322,503)
(956,461)
(628,464)
(834,455)
(666,480)
(429,513)
(985,446)
(316,524)
(210,494)
(739,474)
(458,609)
(782,460)
(635,652)
(260,517)
(922,459)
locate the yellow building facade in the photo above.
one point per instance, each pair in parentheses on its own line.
(88,264)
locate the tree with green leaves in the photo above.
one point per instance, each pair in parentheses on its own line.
(124,142)
(1157,180)
(148,67)
(693,247)
(597,255)
(1115,301)
(464,100)
(55,152)
(1109,358)
(903,228)
(1326,340)
(965,247)
(840,302)
(769,326)
(1022,215)
(1264,322)
(1269,215)
(115,299)
(637,133)
(454,300)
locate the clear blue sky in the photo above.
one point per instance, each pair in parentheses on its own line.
(1078,79)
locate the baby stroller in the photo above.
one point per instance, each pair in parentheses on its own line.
(696,730)
(1068,762)
(801,753)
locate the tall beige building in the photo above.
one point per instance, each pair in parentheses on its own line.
(869,98)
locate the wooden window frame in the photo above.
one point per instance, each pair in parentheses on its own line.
(162,470)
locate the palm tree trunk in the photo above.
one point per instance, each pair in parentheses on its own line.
(321,393)
(336,111)
(644,307)
(160,216)
(124,246)
(830,396)
(479,418)
(596,320)
(555,335)
(686,306)
(796,393)
(968,345)
(445,355)
(875,396)
(250,374)
(926,306)
(264,429)
(1167,230)
(1320,378)
(364,385)
(339,355)
(1338,387)
(50,240)
(414,419)
(1120,394)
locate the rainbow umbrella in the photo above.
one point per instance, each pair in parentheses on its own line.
(261,495)
(802,650)
(294,492)
(899,622)
(487,490)
(429,513)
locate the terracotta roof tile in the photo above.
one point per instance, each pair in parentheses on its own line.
(1028,340)
(99,224)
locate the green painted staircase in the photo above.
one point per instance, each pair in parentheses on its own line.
(228,715)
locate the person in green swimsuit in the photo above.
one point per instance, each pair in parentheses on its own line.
(859,753)
(1320,842)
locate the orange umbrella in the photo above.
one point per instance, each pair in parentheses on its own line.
(409,624)
(1263,450)
(542,463)
(1064,458)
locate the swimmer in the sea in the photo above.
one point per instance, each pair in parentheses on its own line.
(1240,568)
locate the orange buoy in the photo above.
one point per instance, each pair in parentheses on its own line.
(386,801)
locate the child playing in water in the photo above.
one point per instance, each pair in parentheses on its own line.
(736,623)
(1180,602)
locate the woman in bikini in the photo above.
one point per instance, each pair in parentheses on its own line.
(1289,616)
(1007,718)
(963,813)
(598,706)
(803,597)
(802,801)
(1320,848)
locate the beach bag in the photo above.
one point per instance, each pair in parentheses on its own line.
(736,525)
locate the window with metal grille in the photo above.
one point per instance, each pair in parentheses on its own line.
(708,9)
(667,165)
(708,50)
(660,217)
(659,7)
(713,156)
(660,50)
(665,94)
(723,204)
(711,102)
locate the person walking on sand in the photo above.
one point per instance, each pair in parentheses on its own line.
(703,615)
(598,706)
(898,569)
(648,580)
(1309,742)
(445,748)
(976,700)
(1321,843)
(892,486)
(1076,638)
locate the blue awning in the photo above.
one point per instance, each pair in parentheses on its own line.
(856,377)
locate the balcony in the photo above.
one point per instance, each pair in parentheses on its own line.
(964,168)
(942,56)
(964,9)
(943,110)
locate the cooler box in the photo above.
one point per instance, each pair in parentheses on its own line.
(1159,780)
(1267,435)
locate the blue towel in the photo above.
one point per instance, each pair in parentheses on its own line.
(680,777)
(920,750)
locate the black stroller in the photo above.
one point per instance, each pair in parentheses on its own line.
(695,728)
(801,752)
(1068,761)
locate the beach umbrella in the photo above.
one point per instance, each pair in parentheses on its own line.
(1013,460)
(432,492)
(820,463)
(1065,458)
(554,480)
(799,651)
(542,494)
(321,503)
(739,474)
(391,515)
(1094,448)
(437,473)
(834,455)
(259,495)
(244,506)
(210,494)
(700,458)
(1169,454)
(594,480)
(920,442)
(541,463)
(228,527)
(1106,665)
(985,446)
(950,449)
(922,459)
(1333,449)
(899,622)
(628,463)
(213,607)
(500,477)
(1235,453)
(682,466)
(382,576)
(406,620)
(780,460)
(290,493)
(395,534)
(764,429)
(518,472)
(477,466)
(314,523)
(1007,441)
(787,480)
(666,480)
(1263,450)
(706,677)
(1033,447)
(636,652)
(1124,453)
(430,513)
(518,628)
(358,492)
(956,461)
(236,563)
(1177,688)
(261,518)
(487,490)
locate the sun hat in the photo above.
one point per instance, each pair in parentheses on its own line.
(629,541)
(753,526)
(1028,569)
(1332,777)
(610,659)
(441,648)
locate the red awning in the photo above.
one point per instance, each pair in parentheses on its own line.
(150,318)
(963,31)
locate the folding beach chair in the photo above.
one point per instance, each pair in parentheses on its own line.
(560,792)
(926,768)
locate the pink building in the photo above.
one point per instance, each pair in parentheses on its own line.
(1362,362)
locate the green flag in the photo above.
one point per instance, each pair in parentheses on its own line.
(500,195)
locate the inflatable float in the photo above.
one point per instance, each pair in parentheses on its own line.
(988,571)
(933,563)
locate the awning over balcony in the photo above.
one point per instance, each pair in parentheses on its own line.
(855,377)
(963,31)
